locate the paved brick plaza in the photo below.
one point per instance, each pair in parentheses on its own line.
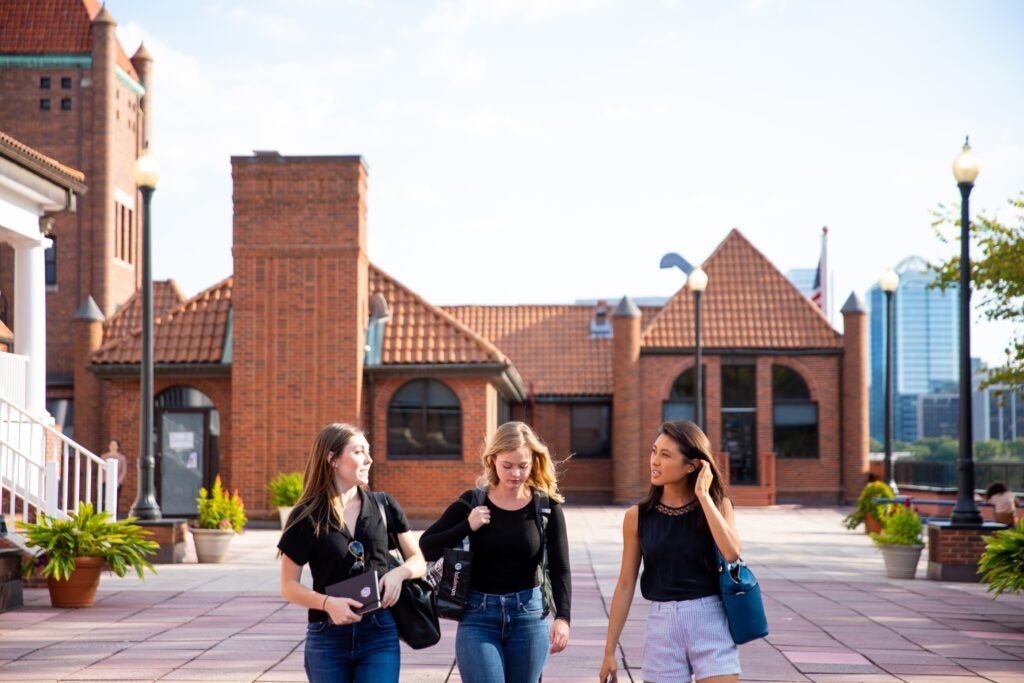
(834,617)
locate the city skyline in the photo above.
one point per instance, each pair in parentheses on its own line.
(540,153)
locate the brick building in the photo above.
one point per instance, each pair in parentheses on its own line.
(71,92)
(307,331)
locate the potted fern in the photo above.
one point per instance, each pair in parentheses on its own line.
(1002,564)
(868,512)
(285,490)
(901,541)
(72,552)
(221,516)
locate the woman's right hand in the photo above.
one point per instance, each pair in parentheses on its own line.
(609,670)
(479,516)
(339,610)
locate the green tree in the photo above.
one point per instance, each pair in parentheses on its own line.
(875,446)
(997,275)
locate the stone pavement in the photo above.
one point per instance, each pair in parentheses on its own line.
(833,617)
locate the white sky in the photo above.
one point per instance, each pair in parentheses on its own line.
(540,151)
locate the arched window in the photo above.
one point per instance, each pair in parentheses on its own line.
(680,404)
(794,415)
(425,421)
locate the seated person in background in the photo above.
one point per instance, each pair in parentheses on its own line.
(1004,502)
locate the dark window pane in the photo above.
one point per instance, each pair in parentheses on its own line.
(65,104)
(50,262)
(738,386)
(739,440)
(65,83)
(677,410)
(425,421)
(788,385)
(683,387)
(794,414)
(44,82)
(799,441)
(591,431)
(44,105)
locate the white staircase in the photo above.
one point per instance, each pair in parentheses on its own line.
(41,470)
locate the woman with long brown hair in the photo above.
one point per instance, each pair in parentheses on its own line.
(503,637)
(337,529)
(674,531)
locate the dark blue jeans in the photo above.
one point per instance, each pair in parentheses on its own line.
(366,652)
(502,638)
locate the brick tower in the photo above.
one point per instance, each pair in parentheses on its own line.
(300,307)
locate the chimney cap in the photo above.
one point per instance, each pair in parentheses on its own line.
(626,308)
(854,304)
(142,54)
(89,311)
(104,16)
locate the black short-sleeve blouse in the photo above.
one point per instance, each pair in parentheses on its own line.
(328,555)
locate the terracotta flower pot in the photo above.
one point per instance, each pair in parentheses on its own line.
(79,590)
(872,525)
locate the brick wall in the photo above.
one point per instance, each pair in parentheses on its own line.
(99,136)
(854,384)
(299,305)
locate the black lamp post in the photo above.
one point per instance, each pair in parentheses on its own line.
(698,281)
(965,170)
(145,508)
(889,282)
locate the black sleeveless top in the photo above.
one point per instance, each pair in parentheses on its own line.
(679,555)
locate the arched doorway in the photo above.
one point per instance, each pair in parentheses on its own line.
(188,454)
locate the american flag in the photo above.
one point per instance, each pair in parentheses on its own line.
(819,295)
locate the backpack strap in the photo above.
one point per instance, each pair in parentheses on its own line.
(542,511)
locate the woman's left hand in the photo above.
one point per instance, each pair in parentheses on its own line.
(391,586)
(559,635)
(704,478)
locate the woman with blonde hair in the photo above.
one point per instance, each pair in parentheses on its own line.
(337,529)
(502,636)
(674,531)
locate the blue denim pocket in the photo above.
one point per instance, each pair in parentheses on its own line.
(317,626)
(533,606)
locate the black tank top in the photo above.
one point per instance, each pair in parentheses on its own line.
(679,555)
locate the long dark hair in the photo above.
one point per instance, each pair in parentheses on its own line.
(694,445)
(318,481)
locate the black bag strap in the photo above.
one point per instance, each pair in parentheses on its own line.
(381,499)
(542,511)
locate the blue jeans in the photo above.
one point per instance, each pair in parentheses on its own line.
(366,652)
(502,638)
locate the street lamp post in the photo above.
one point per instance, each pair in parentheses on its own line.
(698,281)
(146,172)
(965,170)
(889,282)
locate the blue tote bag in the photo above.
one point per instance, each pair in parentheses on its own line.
(741,596)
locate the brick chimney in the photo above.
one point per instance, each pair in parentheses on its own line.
(854,397)
(299,306)
(104,85)
(626,405)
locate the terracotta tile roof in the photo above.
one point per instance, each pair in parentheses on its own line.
(127,319)
(421,333)
(748,304)
(20,149)
(40,27)
(550,346)
(192,332)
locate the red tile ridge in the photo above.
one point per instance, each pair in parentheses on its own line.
(21,149)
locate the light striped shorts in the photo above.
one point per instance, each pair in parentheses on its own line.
(688,638)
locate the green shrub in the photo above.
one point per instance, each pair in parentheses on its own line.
(285,489)
(87,533)
(1002,564)
(866,504)
(902,526)
(218,510)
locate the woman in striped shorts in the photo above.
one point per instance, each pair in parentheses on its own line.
(674,530)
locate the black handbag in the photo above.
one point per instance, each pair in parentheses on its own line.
(450,575)
(741,597)
(414,613)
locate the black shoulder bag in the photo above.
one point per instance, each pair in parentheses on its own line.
(450,575)
(414,612)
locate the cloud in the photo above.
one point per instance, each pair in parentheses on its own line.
(458,17)
(454,64)
(487,122)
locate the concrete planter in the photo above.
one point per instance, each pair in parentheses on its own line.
(212,544)
(901,560)
(284,511)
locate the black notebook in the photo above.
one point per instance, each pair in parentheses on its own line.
(364,588)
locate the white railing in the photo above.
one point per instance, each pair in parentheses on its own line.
(42,470)
(13,377)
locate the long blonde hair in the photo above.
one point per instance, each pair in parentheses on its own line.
(318,488)
(509,437)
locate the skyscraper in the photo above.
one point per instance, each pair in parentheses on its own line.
(926,347)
